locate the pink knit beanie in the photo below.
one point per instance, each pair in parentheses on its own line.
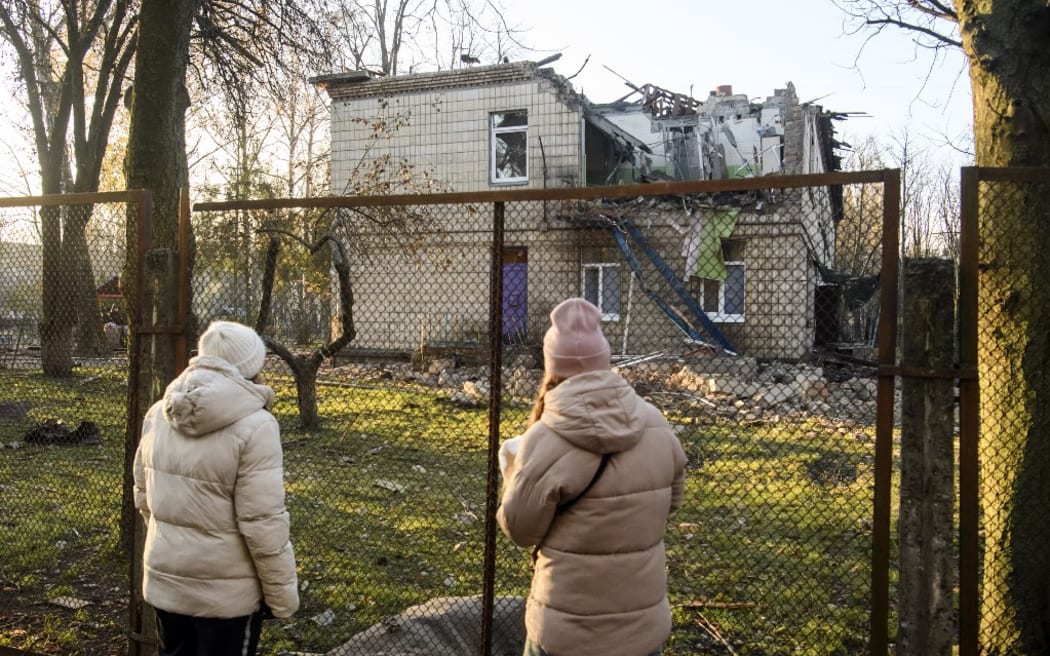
(574,343)
(235,343)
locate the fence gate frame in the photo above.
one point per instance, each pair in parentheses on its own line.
(139,211)
(887,372)
(969,390)
(141,618)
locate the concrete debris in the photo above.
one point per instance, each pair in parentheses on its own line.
(69,602)
(732,387)
(390,485)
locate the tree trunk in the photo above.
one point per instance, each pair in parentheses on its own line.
(156,161)
(306,388)
(85,297)
(1005,41)
(57,313)
(156,158)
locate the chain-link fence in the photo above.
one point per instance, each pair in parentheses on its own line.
(747,316)
(1008,502)
(746,313)
(63,399)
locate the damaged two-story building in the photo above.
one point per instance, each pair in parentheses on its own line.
(736,272)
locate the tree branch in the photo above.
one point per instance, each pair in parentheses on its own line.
(933,34)
(935,9)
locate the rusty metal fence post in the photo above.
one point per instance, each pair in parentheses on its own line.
(887,356)
(969,418)
(495,401)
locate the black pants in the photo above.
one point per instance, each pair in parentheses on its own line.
(182,635)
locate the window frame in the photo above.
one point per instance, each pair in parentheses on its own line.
(495,134)
(699,287)
(603,268)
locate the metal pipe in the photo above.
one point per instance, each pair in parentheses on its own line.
(969,419)
(880,565)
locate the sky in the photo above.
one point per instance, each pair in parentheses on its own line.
(694,46)
(756,46)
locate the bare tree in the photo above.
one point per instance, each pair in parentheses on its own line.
(269,140)
(935,43)
(389,38)
(340,238)
(1009,66)
(304,367)
(303,144)
(858,248)
(929,210)
(72,58)
(215,46)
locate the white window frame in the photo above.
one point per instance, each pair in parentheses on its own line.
(603,268)
(721,316)
(495,133)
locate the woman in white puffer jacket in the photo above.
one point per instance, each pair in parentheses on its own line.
(209,482)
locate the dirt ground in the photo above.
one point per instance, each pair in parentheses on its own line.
(38,627)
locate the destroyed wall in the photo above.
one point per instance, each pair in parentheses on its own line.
(726,134)
(631,118)
(780,283)
(779,316)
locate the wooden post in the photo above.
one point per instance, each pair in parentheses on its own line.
(925,623)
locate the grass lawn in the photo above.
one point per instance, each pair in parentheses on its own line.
(771,553)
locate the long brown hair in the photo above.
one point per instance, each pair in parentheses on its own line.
(548,383)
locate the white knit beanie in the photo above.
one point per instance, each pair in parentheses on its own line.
(235,343)
(574,343)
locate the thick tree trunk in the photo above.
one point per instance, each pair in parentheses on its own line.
(156,161)
(1005,41)
(84,295)
(57,313)
(156,158)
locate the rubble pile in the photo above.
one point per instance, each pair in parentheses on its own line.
(737,387)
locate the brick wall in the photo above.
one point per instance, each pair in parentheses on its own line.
(445,130)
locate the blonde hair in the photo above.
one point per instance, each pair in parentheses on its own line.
(548,383)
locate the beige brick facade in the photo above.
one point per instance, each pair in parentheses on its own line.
(443,128)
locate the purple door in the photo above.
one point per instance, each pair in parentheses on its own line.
(515,295)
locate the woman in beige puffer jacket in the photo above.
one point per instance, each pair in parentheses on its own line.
(599,583)
(209,483)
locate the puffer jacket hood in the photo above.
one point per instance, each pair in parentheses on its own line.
(596,411)
(211,394)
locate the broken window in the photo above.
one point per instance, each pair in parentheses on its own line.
(684,150)
(510,152)
(600,280)
(723,300)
